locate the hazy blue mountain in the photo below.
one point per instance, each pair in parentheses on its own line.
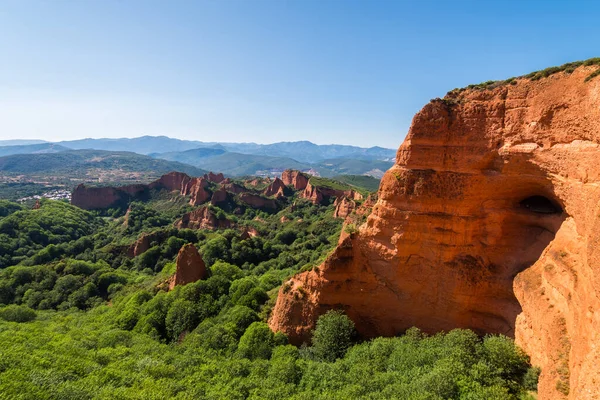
(140,145)
(306,151)
(20,142)
(303,151)
(192,157)
(31,149)
(91,163)
(345,166)
(236,164)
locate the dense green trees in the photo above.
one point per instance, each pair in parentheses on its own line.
(54,226)
(82,319)
(332,336)
(16,313)
(83,355)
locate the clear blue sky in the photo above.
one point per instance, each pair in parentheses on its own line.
(329,71)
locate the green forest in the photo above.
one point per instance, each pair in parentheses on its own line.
(81,318)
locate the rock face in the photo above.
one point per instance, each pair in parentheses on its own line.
(296,179)
(276,189)
(90,198)
(343,207)
(190,267)
(172,181)
(197,191)
(216,178)
(218,197)
(202,218)
(144,242)
(489,221)
(318,194)
(257,201)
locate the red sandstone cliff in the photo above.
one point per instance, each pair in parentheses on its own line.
(144,242)
(216,178)
(190,267)
(257,201)
(343,207)
(90,198)
(317,194)
(489,221)
(293,178)
(276,189)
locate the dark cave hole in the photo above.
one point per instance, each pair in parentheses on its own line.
(541,205)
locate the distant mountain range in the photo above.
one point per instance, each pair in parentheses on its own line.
(93,164)
(303,151)
(234,159)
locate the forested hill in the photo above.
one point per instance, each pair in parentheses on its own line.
(87,309)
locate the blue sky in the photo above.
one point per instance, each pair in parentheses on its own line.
(328,71)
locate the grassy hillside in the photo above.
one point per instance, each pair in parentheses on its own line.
(361,181)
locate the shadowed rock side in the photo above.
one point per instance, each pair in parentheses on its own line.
(489,220)
(190,267)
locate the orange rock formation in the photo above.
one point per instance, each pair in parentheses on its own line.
(293,178)
(276,188)
(317,194)
(489,220)
(202,218)
(104,197)
(144,242)
(257,201)
(190,267)
(343,207)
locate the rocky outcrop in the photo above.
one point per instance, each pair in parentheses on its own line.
(248,232)
(256,201)
(276,189)
(343,207)
(319,194)
(215,178)
(234,188)
(219,196)
(190,267)
(202,218)
(91,198)
(173,181)
(489,221)
(295,179)
(144,242)
(312,194)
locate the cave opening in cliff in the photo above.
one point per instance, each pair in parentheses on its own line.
(541,205)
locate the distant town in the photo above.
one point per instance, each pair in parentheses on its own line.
(60,194)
